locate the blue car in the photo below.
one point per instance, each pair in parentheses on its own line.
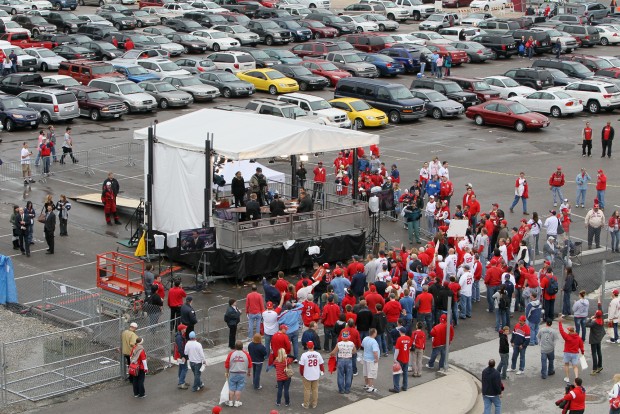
(300,33)
(384,64)
(135,73)
(408,57)
(14,113)
(285,56)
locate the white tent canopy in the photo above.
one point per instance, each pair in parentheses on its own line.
(244,136)
(179,164)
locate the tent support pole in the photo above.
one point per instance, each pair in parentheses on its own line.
(208,178)
(294,176)
(149,188)
(355,175)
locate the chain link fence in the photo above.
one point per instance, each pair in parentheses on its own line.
(70,302)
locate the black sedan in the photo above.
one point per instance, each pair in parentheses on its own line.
(306,79)
(155,31)
(229,85)
(183,25)
(191,44)
(72,52)
(119,20)
(103,50)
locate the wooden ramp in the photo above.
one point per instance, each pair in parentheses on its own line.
(125,205)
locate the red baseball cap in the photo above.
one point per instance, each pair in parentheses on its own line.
(338,272)
(269,305)
(615,292)
(283,326)
(310,344)
(326,265)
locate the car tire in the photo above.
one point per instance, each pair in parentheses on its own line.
(226,93)
(486,8)
(417,16)
(358,123)
(163,104)
(94,115)
(45,118)
(35,32)
(303,86)
(66,30)
(360,29)
(382,28)
(9,125)
(72,8)
(593,107)
(555,112)
(117,26)
(57,7)
(228,70)
(139,23)
(479,120)
(520,126)
(13,12)
(105,58)
(512,94)
(604,41)
(269,40)
(34,7)
(216,47)
(273,90)
(394,117)
(391,16)
(317,35)
(312,6)
(44,67)
(437,113)
(163,20)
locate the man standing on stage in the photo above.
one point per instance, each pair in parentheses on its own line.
(320,175)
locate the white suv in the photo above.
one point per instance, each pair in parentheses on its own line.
(318,106)
(392,11)
(416,8)
(232,62)
(162,67)
(594,94)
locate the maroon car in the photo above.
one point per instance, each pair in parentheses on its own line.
(508,114)
(318,29)
(482,89)
(95,104)
(314,49)
(370,42)
(326,69)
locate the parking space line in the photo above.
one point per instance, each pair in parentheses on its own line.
(55,270)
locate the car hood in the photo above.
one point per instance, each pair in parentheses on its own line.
(139,96)
(175,94)
(463,94)
(359,65)
(237,84)
(246,35)
(431,24)
(102,102)
(311,78)
(331,112)
(446,104)
(532,116)
(198,88)
(171,46)
(53,59)
(26,112)
(269,62)
(143,77)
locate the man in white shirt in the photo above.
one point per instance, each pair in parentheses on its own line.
(25,162)
(503,250)
(429,211)
(311,368)
(466,281)
(551,224)
(270,324)
(450,264)
(380,261)
(443,170)
(302,294)
(196,356)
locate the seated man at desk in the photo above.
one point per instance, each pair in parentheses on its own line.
(277,207)
(305,202)
(252,208)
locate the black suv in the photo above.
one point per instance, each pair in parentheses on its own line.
(263,60)
(205,19)
(336,22)
(96,31)
(306,79)
(573,69)
(537,78)
(36,24)
(448,88)
(269,32)
(65,22)
(542,39)
(502,45)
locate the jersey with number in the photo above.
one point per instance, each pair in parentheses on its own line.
(403,344)
(466,280)
(311,362)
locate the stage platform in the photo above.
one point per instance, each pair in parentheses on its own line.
(124,205)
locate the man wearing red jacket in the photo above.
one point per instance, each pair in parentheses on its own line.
(474,210)
(330,315)
(281,284)
(340,163)
(469,191)
(372,298)
(576,398)
(254,308)
(320,176)
(424,304)
(446,189)
(279,340)
(548,295)
(438,333)
(310,311)
(520,340)
(176,299)
(521,192)
(556,182)
(573,344)
(601,186)
(392,310)
(492,280)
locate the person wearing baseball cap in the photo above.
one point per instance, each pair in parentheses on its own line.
(573,344)
(311,368)
(601,186)
(344,351)
(320,176)
(595,221)
(613,314)
(180,356)
(556,182)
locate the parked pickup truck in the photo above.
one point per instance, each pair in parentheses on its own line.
(249,8)
(17,83)
(24,41)
(352,63)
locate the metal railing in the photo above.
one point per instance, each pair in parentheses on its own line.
(70,302)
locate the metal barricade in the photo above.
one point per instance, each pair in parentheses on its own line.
(216,327)
(70,302)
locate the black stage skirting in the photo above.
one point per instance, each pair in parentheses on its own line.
(265,261)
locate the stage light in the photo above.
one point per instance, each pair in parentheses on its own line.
(252,160)
(288,244)
(303,158)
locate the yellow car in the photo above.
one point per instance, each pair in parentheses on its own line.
(360,113)
(269,80)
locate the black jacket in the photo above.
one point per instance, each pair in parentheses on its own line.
(597,332)
(379,322)
(364,319)
(504,345)
(358,283)
(276,208)
(237,187)
(188,315)
(491,382)
(252,210)
(19,226)
(305,205)
(232,317)
(50,223)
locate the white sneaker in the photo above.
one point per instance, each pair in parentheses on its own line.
(519,372)
(555,204)
(511,370)
(567,380)
(229,403)
(428,366)
(238,404)
(371,389)
(366,387)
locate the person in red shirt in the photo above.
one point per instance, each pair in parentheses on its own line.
(129,44)
(576,397)
(279,340)
(320,176)
(402,348)
(438,333)
(607,138)
(446,189)
(586,136)
(372,298)
(340,163)
(160,286)
(349,299)
(418,339)
(281,284)
(300,283)
(492,280)
(424,303)
(392,310)
(474,210)
(310,311)
(549,297)
(176,299)
(254,308)
(601,186)
(330,315)
(374,150)
(556,182)
(573,344)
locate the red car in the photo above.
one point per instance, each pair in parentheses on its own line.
(314,49)
(506,113)
(324,68)
(268,3)
(608,73)
(478,86)
(458,56)
(318,29)
(370,42)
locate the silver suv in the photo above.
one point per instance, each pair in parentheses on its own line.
(127,92)
(53,105)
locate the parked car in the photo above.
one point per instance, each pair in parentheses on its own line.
(84,70)
(318,29)
(448,88)
(506,113)
(162,67)
(173,49)
(134,72)
(215,39)
(232,61)
(573,69)
(71,52)
(102,50)
(196,65)
(362,24)
(158,31)
(473,19)
(95,19)
(383,23)
(609,35)
(95,104)
(228,84)
(36,24)
(300,33)
(269,80)
(438,105)
(317,106)
(96,31)
(269,32)
(507,87)
(59,81)
(408,57)
(487,5)
(594,94)
(386,65)
(127,92)
(555,103)
(458,56)
(283,56)
(303,76)
(191,44)
(587,36)
(119,20)
(535,78)
(592,63)
(14,113)
(241,33)
(475,51)
(183,25)
(503,45)
(326,69)
(165,94)
(360,113)
(53,105)
(65,22)
(333,21)
(143,19)
(478,86)
(14,6)
(352,63)
(192,85)
(262,59)
(436,21)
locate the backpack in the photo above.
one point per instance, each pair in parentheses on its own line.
(552,287)
(504,302)
(574,285)
(535,314)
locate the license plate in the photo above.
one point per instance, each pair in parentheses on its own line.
(116,115)
(31,69)
(383,122)
(33,122)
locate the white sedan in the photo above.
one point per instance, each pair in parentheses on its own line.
(487,5)
(429,36)
(507,87)
(610,35)
(215,40)
(46,59)
(361,24)
(556,103)
(407,38)
(39,4)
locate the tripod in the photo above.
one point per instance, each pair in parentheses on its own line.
(374,235)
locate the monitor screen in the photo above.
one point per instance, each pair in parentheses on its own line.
(197,240)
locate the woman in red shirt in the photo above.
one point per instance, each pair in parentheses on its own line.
(576,398)
(138,356)
(284,382)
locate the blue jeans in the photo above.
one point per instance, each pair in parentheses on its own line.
(518,353)
(430,222)
(533,332)
(257,368)
(196,371)
(614,239)
(580,326)
(615,338)
(54,153)
(283,386)
(476,291)
(465,305)
(441,351)
(523,201)
(182,372)
(600,194)
(253,324)
(390,342)
(502,318)
(427,318)
(546,362)
(488,401)
(382,344)
(422,67)
(503,365)
(396,377)
(268,343)
(566,308)
(46,165)
(557,192)
(294,338)
(330,338)
(345,374)
(490,292)
(581,197)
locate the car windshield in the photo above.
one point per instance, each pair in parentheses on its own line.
(190,81)
(165,87)
(129,88)
(434,96)
(556,73)
(140,13)
(237,28)
(117,15)
(286,54)
(100,70)
(140,39)
(227,77)
(379,18)
(562,95)
(210,5)
(97,95)
(38,20)
(293,112)
(293,25)
(270,25)
(434,36)
(206,63)
(360,106)
(615,62)
(358,19)
(19,52)
(44,53)
(518,109)
(335,19)
(318,105)
(273,74)
(389,4)
(259,54)
(136,70)
(300,71)
(13,103)
(67,81)
(400,93)
(328,66)
(510,83)
(168,66)
(452,88)
(185,6)
(188,38)
(554,33)
(12,25)
(612,89)
(481,86)
(160,40)
(435,18)
(315,24)
(351,58)
(71,17)
(218,35)
(582,69)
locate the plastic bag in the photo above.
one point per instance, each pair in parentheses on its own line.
(224,393)
(583,362)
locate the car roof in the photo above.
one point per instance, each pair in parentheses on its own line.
(594,82)
(84,88)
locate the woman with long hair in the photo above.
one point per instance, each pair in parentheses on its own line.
(614,231)
(281,363)
(63,206)
(535,224)
(31,214)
